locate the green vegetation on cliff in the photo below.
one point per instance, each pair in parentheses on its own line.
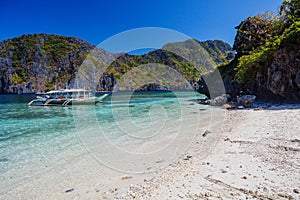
(190,59)
(220,51)
(267,61)
(263,55)
(148,65)
(40,62)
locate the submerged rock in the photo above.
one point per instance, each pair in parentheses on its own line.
(4,159)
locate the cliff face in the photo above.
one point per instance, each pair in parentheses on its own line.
(220,51)
(157,70)
(268,56)
(283,75)
(275,77)
(35,63)
(41,62)
(281,79)
(187,61)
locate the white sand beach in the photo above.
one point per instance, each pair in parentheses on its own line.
(257,157)
(254,154)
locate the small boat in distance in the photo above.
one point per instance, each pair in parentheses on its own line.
(66,97)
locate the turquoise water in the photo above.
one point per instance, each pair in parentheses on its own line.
(36,139)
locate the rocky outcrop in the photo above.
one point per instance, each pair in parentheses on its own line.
(217,101)
(246,100)
(107,82)
(225,100)
(39,62)
(204,55)
(267,61)
(219,50)
(251,33)
(277,79)
(188,59)
(283,74)
(153,87)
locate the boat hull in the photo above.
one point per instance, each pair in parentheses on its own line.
(66,102)
(74,102)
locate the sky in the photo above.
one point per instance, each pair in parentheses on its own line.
(95,21)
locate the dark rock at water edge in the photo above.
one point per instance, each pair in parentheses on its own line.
(153,87)
(107,82)
(218,101)
(246,100)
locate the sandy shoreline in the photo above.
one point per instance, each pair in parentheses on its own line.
(252,154)
(256,157)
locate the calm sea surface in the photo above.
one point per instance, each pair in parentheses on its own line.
(33,139)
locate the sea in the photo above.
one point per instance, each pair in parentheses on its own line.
(133,128)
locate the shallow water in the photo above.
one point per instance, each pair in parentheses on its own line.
(34,140)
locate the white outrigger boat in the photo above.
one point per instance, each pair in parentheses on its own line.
(66,97)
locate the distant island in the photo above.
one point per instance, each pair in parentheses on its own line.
(263,61)
(39,62)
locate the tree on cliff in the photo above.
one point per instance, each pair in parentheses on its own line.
(267,61)
(253,32)
(290,10)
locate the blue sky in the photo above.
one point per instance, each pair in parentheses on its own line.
(95,21)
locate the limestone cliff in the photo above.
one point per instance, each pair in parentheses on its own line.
(41,62)
(268,56)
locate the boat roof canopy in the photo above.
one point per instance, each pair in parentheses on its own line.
(67,90)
